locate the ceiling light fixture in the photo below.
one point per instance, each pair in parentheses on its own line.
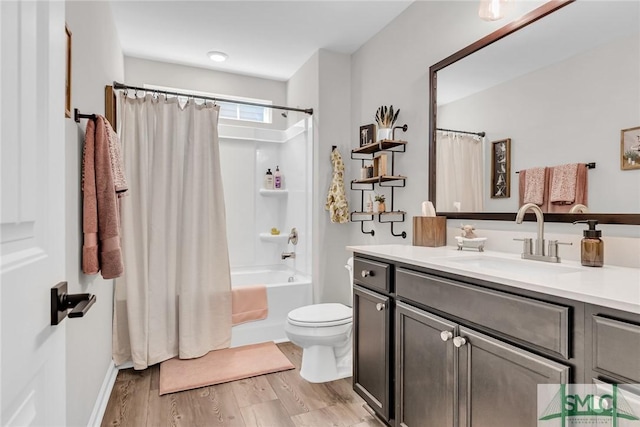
(492,10)
(217,56)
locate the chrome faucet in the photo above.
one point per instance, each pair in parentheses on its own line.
(286,255)
(539,252)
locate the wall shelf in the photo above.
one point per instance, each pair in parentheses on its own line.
(367,153)
(274,238)
(283,192)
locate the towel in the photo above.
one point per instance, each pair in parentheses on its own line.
(101,250)
(117,166)
(532,185)
(336,199)
(248,303)
(581,190)
(563,184)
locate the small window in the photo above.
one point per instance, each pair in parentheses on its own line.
(230,110)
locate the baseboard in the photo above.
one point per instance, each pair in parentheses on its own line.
(103,397)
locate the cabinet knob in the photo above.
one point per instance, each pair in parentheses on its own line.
(380,306)
(459,341)
(367,273)
(446,335)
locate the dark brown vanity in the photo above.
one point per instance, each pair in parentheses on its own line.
(432,348)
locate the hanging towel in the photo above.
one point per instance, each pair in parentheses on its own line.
(581,190)
(100,219)
(563,184)
(532,185)
(336,200)
(115,155)
(249,303)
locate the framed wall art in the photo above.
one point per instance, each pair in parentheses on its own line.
(501,169)
(67,89)
(630,148)
(367,134)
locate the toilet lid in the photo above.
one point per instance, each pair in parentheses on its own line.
(320,315)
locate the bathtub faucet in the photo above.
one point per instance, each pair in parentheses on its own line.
(286,255)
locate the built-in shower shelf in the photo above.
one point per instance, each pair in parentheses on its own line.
(274,238)
(274,193)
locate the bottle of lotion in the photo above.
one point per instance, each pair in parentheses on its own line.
(268,180)
(591,247)
(277,177)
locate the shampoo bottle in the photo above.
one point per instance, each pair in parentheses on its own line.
(268,180)
(591,247)
(277,177)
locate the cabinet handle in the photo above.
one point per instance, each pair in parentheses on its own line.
(367,273)
(380,306)
(459,341)
(446,335)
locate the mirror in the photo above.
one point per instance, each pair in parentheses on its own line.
(560,83)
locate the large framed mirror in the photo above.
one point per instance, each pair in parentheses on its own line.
(560,83)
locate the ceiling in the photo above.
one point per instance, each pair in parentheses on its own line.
(270,39)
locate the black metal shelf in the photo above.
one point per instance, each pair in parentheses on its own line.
(367,153)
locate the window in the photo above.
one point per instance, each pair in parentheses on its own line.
(229,110)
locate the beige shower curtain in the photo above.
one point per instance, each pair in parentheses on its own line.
(174,298)
(459,167)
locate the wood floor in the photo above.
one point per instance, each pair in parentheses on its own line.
(281,399)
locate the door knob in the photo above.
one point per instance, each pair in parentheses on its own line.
(380,306)
(459,341)
(446,335)
(367,273)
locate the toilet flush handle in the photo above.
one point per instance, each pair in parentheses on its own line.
(367,273)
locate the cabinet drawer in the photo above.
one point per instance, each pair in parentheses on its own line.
(372,274)
(539,323)
(616,346)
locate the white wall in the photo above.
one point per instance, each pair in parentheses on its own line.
(322,83)
(392,68)
(97,61)
(554,126)
(142,71)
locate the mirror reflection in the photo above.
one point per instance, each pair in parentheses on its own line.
(561,90)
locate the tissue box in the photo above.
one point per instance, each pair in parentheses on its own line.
(429,231)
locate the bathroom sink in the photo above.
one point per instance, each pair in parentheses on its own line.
(513,265)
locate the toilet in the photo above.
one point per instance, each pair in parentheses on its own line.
(324,333)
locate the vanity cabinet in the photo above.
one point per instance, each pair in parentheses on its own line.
(372,338)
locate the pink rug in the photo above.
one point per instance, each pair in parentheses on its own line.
(221,366)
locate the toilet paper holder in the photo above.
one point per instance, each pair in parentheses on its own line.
(62,302)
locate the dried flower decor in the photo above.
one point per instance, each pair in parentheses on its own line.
(385,116)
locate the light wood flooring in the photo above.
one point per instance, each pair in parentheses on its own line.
(281,399)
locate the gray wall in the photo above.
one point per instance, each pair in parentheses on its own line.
(97,61)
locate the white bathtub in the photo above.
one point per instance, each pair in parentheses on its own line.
(282,296)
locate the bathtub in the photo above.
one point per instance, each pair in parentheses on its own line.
(286,290)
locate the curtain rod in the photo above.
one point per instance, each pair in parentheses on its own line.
(482,134)
(122,86)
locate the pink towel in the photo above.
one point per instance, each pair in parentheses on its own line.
(581,191)
(563,184)
(534,183)
(248,303)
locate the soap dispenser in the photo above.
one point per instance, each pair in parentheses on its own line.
(268,180)
(592,247)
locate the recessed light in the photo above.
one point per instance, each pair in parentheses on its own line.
(217,56)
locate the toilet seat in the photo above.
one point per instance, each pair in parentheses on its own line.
(320,315)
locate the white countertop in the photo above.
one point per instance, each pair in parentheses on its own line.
(608,286)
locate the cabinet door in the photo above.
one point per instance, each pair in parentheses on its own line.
(372,358)
(425,369)
(498,382)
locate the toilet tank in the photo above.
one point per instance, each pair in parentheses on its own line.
(349,266)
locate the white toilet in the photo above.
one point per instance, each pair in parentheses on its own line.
(324,333)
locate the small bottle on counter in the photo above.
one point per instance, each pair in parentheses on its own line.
(591,247)
(268,180)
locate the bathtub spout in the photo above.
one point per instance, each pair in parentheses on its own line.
(286,255)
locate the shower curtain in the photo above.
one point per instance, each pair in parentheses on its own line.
(459,168)
(174,298)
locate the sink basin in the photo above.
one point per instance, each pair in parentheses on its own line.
(513,265)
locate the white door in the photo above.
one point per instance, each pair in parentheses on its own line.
(32,229)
